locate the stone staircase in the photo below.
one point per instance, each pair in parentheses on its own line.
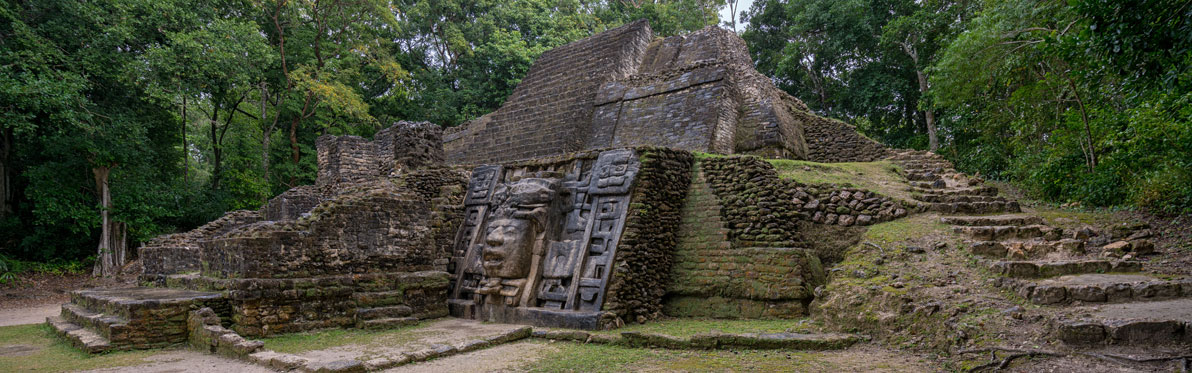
(935,183)
(1091,289)
(1096,300)
(100,320)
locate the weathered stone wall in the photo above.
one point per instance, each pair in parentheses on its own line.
(375,228)
(404,145)
(830,204)
(754,201)
(550,111)
(263,307)
(830,140)
(646,251)
(756,273)
(292,204)
(179,252)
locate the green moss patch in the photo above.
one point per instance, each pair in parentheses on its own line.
(882,177)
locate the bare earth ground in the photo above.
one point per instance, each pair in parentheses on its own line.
(510,357)
(187,361)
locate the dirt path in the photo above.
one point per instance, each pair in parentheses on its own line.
(30,315)
(184,361)
(504,358)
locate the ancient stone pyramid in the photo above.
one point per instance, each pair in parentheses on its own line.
(625,87)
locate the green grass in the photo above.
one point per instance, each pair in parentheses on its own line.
(687,327)
(51,354)
(905,229)
(577,357)
(324,339)
(881,177)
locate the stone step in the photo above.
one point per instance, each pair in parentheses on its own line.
(928,185)
(135,304)
(954,198)
(975,207)
(387,323)
(78,336)
(1004,232)
(1157,322)
(1029,249)
(973,191)
(379,299)
(993,220)
(923,176)
(1099,288)
(112,328)
(1040,269)
(383,312)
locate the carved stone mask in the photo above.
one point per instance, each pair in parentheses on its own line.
(508,248)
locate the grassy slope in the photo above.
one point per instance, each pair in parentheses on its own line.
(881,177)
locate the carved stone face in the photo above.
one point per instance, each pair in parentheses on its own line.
(508,248)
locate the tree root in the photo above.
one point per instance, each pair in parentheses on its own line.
(996,364)
(879,248)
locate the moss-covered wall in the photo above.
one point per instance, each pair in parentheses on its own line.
(762,273)
(646,250)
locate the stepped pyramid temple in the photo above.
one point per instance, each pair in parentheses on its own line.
(599,195)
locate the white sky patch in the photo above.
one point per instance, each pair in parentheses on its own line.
(726,18)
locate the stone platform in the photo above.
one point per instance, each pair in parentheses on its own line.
(99,320)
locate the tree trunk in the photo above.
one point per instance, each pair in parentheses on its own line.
(266,133)
(112,245)
(6,193)
(932,138)
(185,149)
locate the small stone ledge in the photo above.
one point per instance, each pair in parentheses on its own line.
(1032,269)
(206,333)
(282,361)
(710,341)
(1128,290)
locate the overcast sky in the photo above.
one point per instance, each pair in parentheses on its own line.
(742,5)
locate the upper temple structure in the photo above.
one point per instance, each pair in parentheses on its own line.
(625,87)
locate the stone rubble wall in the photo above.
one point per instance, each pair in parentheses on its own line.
(835,205)
(405,145)
(830,141)
(646,251)
(755,204)
(759,274)
(375,228)
(179,252)
(292,204)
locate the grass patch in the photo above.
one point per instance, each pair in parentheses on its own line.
(687,327)
(905,229)
(47,353)
(576,357)
(324,339)
(882,177)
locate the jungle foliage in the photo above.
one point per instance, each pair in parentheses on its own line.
(1077,101)
(183,110)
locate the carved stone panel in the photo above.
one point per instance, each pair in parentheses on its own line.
(542,241)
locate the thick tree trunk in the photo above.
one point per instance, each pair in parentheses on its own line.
(112,245)
(932,138)
(6,193)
